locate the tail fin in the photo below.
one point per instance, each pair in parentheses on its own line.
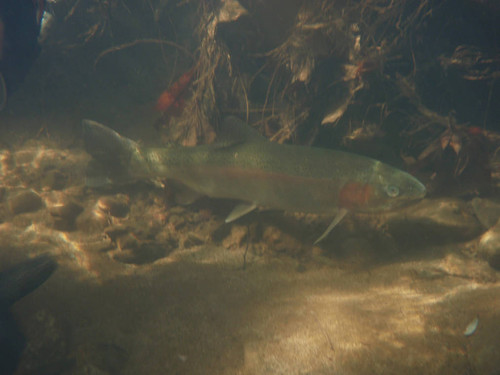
(25,277)
(111,154)
(16,282)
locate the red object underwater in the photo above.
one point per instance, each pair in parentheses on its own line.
(171,100)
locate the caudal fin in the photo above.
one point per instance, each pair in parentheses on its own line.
(23,278)
(16,282)
(111,154)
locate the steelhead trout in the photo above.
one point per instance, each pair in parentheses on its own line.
(244,165)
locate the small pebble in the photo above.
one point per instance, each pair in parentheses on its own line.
(67,210)
(54,180)
(127,241)
(115,232)
(489,246)
(117,206)
(65,214)
(494,261)
(25,201)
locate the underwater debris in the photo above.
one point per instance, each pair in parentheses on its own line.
(171,101)
(471,327)
(472,63)
(325,63)
(337,113)
(461,153)
(319,76)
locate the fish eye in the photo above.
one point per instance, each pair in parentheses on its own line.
(392,191)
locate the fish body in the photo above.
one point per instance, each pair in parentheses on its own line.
(248,167)
(15,283)
(286,177)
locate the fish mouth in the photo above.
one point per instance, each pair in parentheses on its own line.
(411,188)
(420,190)
(413,191)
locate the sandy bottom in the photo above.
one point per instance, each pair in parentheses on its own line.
(199,312)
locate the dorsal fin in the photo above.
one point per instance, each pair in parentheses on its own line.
(232,131)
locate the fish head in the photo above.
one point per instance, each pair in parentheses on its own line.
(383,188)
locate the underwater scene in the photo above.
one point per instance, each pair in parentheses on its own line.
(249,187)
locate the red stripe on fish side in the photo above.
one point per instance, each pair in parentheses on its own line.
(354,195)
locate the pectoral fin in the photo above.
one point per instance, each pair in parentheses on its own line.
(240,210)
(337,219)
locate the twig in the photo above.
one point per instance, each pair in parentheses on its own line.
(488,103)
(268,91)
(71,11)
(141,41)
(246,100)
(246,250)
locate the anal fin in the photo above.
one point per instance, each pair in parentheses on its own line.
(337,219)
(240,210)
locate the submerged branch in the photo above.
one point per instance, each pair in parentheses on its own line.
(142,41)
